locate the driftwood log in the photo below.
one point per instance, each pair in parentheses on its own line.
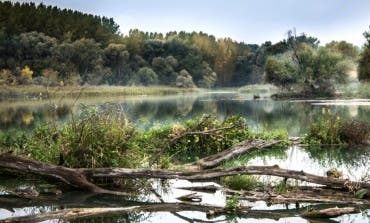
(329,212)
(79,177)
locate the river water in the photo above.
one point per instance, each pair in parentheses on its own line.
(149,111)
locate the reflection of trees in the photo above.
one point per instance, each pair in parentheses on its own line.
(336,156)
(28,117)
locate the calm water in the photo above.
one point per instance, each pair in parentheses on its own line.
(294,116)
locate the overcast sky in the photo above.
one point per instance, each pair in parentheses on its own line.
(250,21)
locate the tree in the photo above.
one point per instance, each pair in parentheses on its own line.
(117,58)
(281,71)
(364,61)
(165,68)
(7,78)
(26,75)
(184,80)
(145,76)
(346,49)
(316,71)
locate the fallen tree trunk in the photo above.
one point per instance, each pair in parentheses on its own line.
(329,212)
(313,195)
(222,172)
(249,145)
(72,177)
(78,177)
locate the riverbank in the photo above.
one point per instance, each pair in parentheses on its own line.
(36,92)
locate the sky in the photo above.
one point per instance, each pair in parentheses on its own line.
(249,21)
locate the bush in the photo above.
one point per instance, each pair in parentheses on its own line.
(99,139)
(355,132)
(330,129)
(185,142)
(231,131)
(325,130)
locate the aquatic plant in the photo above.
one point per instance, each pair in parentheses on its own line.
(242,182)
(232,203)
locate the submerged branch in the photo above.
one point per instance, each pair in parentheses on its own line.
(80,213)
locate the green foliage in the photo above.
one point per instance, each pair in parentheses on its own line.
(316,71)
(232,203)
(281,71)
(325,130)
(346,49)
(282,186)
(99,139)
(39,144)
(17,17)
(362,193)
(146,76)
(190,142)
(242,182)
(184,80)
(364,64)
(330,129)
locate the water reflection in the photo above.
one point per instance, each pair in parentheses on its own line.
(294,116)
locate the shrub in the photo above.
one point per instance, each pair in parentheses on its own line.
(330,129)
(99,139)
(220,136)
(354,132)
(325,130)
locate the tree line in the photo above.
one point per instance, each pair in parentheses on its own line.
(46,45)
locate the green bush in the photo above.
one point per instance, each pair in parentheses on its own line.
(325,130)
(100,139)
(188,141)
(331,129)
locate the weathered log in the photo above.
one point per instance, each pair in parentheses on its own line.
(78,177)
(313,195)
(72,177)
(241,148)
(221,172)
(329,212)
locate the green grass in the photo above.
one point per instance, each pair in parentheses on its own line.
(40,92)
(242,182)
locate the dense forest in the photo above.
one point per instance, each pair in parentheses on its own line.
(50,46)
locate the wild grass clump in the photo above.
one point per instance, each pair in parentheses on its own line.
(99,139)
(40,144)
(242,182)
(325,130)
(331,129)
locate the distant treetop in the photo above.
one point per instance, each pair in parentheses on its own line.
(63,24)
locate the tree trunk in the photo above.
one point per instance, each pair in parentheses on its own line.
(329,212)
